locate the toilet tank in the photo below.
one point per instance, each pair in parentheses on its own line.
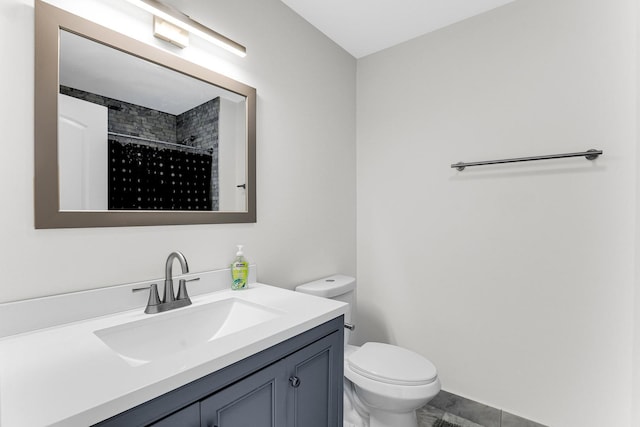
(337,287)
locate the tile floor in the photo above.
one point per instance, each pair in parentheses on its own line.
(467,413)
(428,415)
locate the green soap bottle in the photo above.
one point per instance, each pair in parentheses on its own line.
(239,271)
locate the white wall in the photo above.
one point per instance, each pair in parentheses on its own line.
(517,281)
(636,322)
(305,128)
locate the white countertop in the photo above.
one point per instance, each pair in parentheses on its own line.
(66,376)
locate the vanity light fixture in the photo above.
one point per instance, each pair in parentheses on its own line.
(165,30)
(176,18)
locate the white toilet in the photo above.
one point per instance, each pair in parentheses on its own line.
(384,384)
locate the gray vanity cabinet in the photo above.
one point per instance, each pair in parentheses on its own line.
(187,417)
(294,392)
(297,383)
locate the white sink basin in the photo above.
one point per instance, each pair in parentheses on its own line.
(168,333)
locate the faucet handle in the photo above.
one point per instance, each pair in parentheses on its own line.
(154,297)
(182,288)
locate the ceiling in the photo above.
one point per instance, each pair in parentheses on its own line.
(363,27)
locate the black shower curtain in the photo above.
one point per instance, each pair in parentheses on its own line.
(149,178)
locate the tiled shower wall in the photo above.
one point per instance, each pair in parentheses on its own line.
(131,119)
(198,127)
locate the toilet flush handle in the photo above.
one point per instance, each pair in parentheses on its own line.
(349,326)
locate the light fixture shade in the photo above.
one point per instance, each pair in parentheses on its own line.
(183,21)
(165,30)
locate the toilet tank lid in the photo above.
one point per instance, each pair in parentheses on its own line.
(329,287)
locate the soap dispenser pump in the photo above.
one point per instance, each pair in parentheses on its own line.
(239,271)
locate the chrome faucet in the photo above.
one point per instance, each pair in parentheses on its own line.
(169,300)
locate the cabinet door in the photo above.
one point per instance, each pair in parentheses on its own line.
(315,384)
(253,402)
(187,417)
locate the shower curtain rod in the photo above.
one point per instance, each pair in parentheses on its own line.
(589,155)
(155,141)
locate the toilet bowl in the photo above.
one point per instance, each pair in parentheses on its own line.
(384,384)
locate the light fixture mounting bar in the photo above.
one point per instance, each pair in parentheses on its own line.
(182,20)
(171,33)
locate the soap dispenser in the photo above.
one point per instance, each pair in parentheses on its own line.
(239,271)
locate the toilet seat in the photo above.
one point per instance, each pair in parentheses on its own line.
(396,398)
(390,364)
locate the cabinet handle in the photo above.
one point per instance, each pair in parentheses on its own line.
(295,382)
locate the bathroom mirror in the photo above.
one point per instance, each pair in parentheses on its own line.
(127,134)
